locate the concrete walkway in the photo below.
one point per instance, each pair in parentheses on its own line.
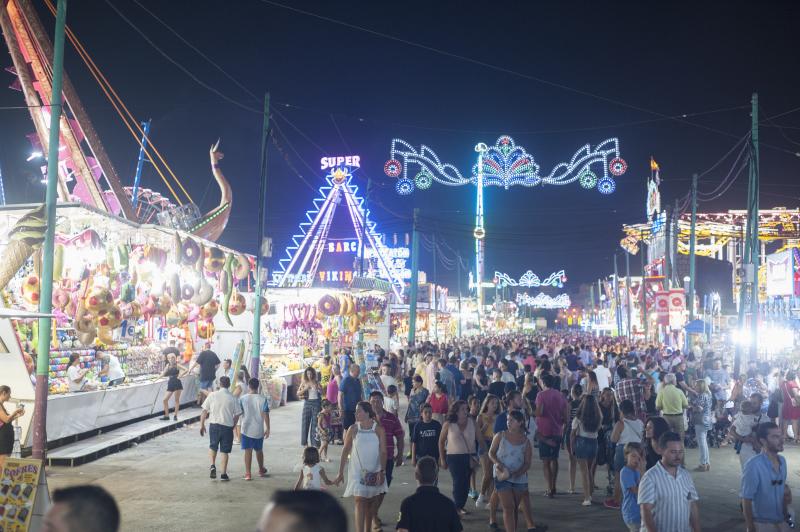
(163,484)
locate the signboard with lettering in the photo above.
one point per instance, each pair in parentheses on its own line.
(18,486)
(353,161)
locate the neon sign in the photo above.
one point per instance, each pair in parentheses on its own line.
(353,161)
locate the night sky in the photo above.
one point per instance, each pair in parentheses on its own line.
(337,90)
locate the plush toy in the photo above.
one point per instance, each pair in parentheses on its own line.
(205,329)
(237,304)
(98,300)
(31,290)
(209,310)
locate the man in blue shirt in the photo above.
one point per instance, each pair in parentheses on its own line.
(458,377)
(350,393)
(765,495)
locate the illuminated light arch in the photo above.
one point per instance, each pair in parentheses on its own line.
(543,301)
(299,267)
(531,280)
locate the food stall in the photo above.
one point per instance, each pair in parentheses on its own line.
(121,288)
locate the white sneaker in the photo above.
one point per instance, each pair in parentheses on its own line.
(480,502)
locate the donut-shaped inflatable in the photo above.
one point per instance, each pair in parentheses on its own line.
(60,298)
(237,304)
(187,292)
(190,252)
(328,305)
(241,268)
(214,260)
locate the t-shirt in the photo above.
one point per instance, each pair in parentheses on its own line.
(603,375)
(426,439)
(572,361)
(387,381)
(551,422)
(429,511)
(114,369)
(351,392)
(629,478)
(253,405)
(393,429)
(73,372)
(208,361)
(497,389)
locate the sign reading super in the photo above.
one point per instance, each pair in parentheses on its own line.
(353,161)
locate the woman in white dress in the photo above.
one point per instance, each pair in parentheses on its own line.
(365,450)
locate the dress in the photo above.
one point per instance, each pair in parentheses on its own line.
(174,383)
(366,456)
(790,412)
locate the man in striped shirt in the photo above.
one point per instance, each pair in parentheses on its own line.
(667,496)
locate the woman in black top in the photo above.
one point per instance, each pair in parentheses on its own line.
(6,426)
(649,395)
(480,383)
(174,372)
(655,427)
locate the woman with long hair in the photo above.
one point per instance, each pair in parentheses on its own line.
(791,404)
(456,450)
(511,455)
(485,425)
(701,417)
(653,429)
(585,428)
(6,424)
(365,450)
(592,386)
(311,393)
(173,371)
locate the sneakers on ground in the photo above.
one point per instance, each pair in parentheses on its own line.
(586,502)
(224,477)
(480,502)
(213,472)
(611,504)
(473,495)
(247,476)
(263,473)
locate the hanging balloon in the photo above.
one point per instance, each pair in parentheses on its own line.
(209,310)
(190,252)
(205,329)
(237,304)
(241,267)
(214,260)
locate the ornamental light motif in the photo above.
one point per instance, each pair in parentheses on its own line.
(531,280)
(543,301)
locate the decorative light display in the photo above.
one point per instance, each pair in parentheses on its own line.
(544,301)
(505,165)
(531,280)
(299,267)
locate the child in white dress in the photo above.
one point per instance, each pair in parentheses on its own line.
(312,475)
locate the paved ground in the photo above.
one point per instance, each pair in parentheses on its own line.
(163,484)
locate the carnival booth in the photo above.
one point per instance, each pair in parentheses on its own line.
(120,288)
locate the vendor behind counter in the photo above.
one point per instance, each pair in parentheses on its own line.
(111,369)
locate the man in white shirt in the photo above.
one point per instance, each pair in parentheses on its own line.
(255,427)
(222,411)
(112,369)
(603,374)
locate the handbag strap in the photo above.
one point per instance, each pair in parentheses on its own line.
(464,438)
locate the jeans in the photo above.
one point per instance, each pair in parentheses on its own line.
(701,434)
(311,408)
(458,464)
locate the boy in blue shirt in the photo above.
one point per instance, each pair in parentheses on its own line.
(629,479)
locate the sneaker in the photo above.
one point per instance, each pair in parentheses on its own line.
(480,502)
(164,418)
(587,502)
(473,495)
(224,477)
(247,476)
(213,472)
(263,473)
(175,418)
(611,504)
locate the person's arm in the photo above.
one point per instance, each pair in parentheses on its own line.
(382,446)
(649,523)
(619,426)
(526,464)
(203,416)
(400,437)
(747,510)
(660,402)
(8,418)
(348,446)
(265,417)
(340,400)
(493,449)
(299,483)
(324,476)
(442,440)
(694,516)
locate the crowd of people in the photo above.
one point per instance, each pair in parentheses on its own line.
(483,409)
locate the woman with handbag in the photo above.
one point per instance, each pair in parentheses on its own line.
(457,451)
(585,428)
(311,393)
(701,419)
(511,455)
(791,405)
(365,450)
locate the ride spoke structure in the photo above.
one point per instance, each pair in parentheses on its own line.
(503,165)
(299,267)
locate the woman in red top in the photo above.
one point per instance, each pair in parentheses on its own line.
(439,402)
(791,400)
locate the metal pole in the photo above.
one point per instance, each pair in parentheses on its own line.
(628,289)
(616,297)
(458,280)
(754,246)
(140,163)
(667,248)
(479,233)
(643,288)
(46,301)
(435,295)
(412,296)
(692,258)
(364,230)
(255,353)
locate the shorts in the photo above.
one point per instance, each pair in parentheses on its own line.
(634,527)
(488,445)
(389,471)
(675,422)
(255,444)
(324,435)
(505,485)
(547,452)
(220,438)
(585,448)
(206,385)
